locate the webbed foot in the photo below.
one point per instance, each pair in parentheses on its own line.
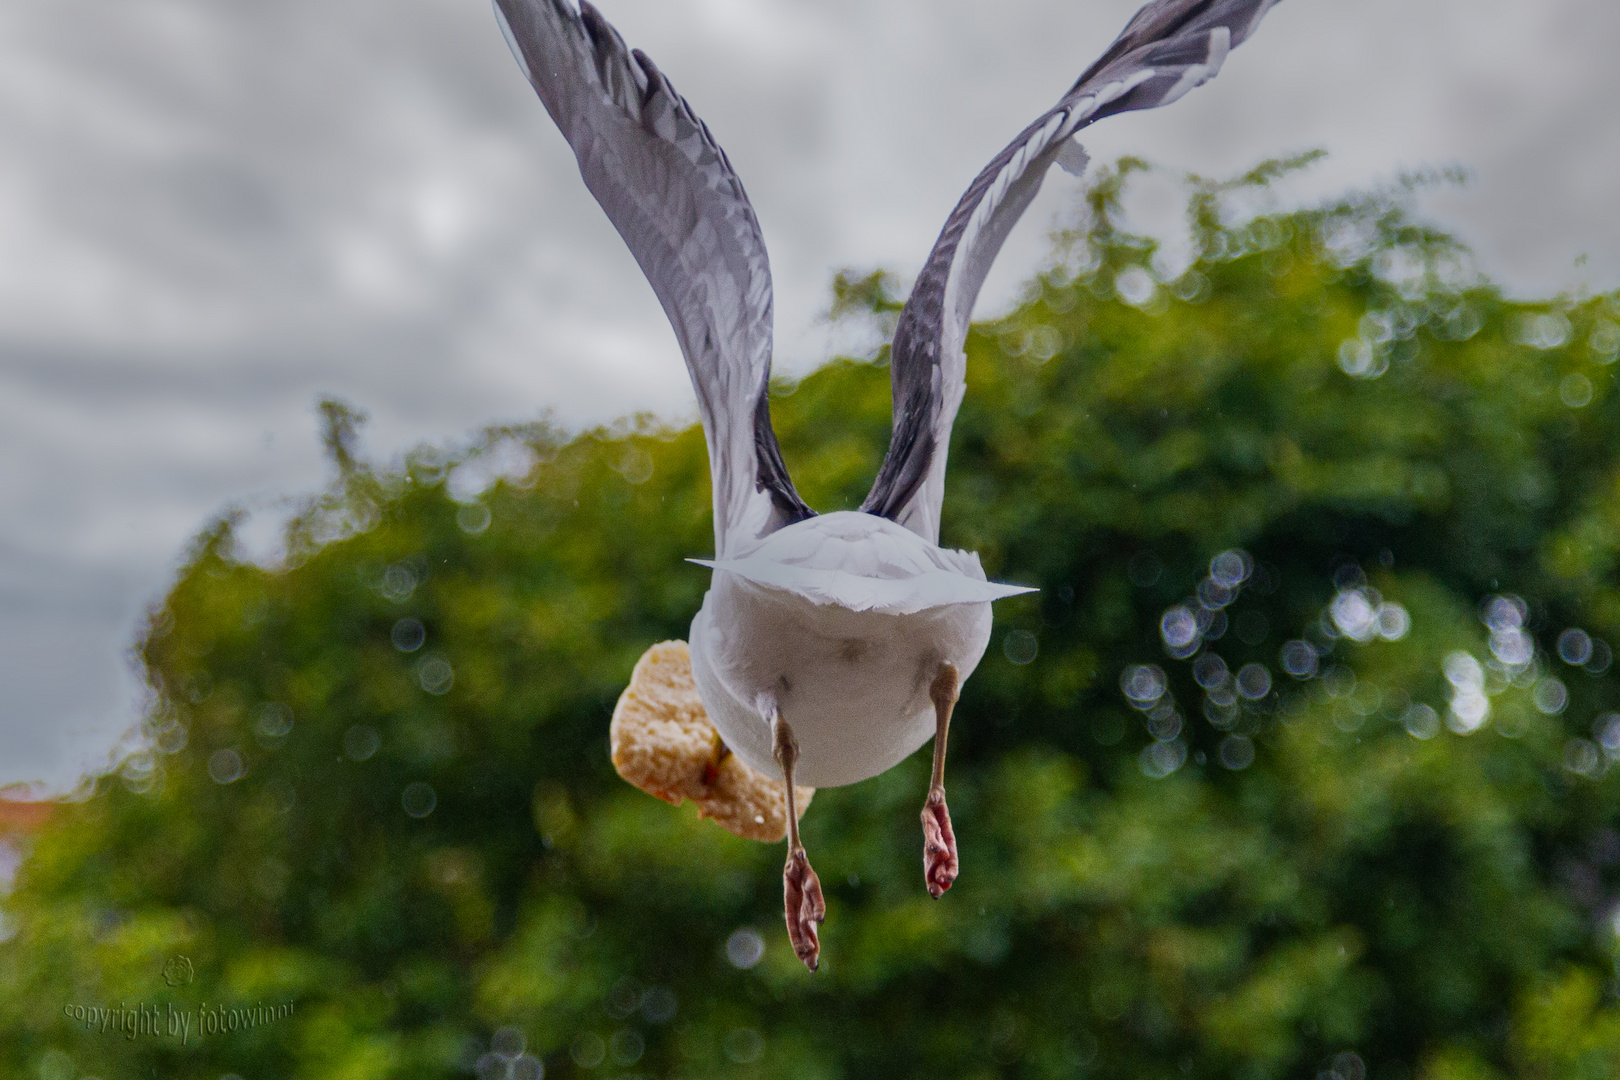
(805,907)
(939,844)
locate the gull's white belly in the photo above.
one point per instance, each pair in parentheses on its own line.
(853,685)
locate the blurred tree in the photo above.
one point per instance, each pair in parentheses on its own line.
(1300,764)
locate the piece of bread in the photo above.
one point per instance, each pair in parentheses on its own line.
(664,744)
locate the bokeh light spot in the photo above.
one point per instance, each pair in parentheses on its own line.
(419,799)
(1606,730)
(1393,621)
(1237,752)
(1143,684)
(361,741)
(588,1050)
(1179,628)
(626,1047)
(1513,647)
(1231,568)
(1349,1066)
(745,947)
(1254,681)
(1210,671)
(1020,646)
(398,583)
(1421,722)
(171,736)
(473,518)
(1574,646)
(1298,658)
(225,766)
(408,635)
(1160,759)
(435,675)
(1575,390)
(274,721)
(635,465)
(1583,758)
(508,1042)
(1602,656)
(1605,342)
(1549,330)
(1550,695)
(1135,286)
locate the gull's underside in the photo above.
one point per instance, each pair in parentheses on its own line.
(828,648)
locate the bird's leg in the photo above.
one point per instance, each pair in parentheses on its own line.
(939,841)
(801,890)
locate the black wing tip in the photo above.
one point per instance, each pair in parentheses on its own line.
(601,33)
(770,471)
(912,445)
(1164,20)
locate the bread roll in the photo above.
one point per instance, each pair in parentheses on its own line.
(664,744)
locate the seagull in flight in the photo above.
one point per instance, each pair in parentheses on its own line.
(829,647)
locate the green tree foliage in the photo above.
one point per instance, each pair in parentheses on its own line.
(1293,767)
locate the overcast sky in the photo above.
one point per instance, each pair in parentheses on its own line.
(214,211)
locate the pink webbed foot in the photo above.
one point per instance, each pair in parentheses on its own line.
(939,845)
(805,907)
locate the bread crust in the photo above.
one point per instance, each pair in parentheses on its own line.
(664,744)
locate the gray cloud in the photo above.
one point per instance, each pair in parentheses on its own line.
(213,212)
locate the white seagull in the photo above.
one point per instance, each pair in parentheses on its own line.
(828,647)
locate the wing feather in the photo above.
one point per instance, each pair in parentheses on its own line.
(670,191)
(1168,47)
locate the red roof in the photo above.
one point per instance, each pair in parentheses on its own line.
(24,817)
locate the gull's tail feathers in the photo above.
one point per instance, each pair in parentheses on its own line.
(888,596)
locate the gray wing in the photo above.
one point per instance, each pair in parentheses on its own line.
(1168,48)
(669,190)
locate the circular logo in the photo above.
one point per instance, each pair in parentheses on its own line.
(177,971)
